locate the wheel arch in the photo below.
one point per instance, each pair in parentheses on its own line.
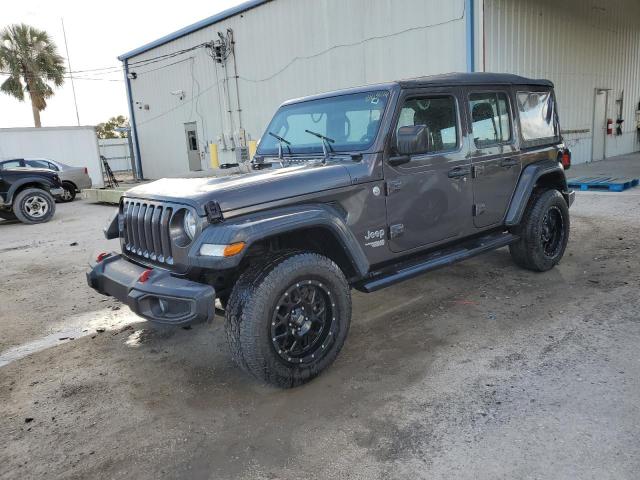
(23,184)
(547,174)
(72,183)
(319,228)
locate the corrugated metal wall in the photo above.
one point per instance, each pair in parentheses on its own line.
(286,49)
(580,46)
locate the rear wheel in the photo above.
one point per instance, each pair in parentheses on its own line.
(288,317)
(34,205)
(69,193)
(544,232)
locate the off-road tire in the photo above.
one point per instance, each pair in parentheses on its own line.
(69,194)
(21,205)
(7,215)
(529,251)
(254,301)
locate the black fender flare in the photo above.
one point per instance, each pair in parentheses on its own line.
(528,179)
(42,182)
(252,228)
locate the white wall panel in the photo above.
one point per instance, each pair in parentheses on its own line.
(580,46)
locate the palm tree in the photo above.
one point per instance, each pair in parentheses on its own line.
(30,59)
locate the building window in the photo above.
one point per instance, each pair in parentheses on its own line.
(438,114)
(490,118)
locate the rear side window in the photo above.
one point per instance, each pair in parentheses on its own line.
(438,114)
(490,118)
(10,164)
(538,120)
(38,164)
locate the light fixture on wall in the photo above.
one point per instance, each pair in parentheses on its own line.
(132,75)
(178,93)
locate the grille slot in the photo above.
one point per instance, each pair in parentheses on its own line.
(146,230)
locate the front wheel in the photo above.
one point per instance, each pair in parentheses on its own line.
(288,317)
(544,232)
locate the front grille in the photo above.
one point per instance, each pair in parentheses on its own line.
(146,230)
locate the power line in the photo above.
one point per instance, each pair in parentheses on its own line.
(8,74)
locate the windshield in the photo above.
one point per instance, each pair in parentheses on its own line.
(350,121)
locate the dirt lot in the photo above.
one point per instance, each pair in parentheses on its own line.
(481,370)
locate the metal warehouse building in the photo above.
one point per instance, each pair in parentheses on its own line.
(203,95)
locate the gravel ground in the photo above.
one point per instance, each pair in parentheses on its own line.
(477,371)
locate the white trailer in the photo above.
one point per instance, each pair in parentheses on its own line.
(75,146)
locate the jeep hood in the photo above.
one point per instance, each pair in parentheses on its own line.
(245,190)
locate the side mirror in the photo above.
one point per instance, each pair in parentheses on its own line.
(413,139)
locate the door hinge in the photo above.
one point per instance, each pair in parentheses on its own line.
(477,170)
(396,230)
(393,186)
(478,209)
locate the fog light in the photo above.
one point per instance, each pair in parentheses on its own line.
(212,250)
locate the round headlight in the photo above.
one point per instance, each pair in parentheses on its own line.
(190,224)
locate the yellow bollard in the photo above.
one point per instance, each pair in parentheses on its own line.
(253,146)
(213,153)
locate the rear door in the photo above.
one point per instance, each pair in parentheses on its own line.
(429,197)
(494,154)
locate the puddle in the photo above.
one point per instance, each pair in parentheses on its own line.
(74,327)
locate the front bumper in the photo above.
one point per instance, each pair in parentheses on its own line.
(162,298)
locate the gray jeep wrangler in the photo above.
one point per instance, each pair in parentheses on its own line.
(360,188)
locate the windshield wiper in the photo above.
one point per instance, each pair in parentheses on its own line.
(280,142)
(326,142)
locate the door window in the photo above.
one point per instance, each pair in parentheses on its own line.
(193,140)
(38,164)
(10,164)
(438,114)
(490,118)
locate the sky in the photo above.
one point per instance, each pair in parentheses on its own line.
(97,32)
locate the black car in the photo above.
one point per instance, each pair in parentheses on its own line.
(27,194)
(360,188)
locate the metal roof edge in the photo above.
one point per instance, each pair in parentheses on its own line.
(218,17)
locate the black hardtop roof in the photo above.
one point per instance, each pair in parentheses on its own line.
(475,78)
(446,79)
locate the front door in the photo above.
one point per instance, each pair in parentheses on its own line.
(599,124)
(494,155)
(193,150)
(429,197)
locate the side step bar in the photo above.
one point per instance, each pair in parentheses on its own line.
(441,258)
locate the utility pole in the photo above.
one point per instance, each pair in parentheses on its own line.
(73,87)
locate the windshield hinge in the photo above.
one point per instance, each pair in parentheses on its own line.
(213,211)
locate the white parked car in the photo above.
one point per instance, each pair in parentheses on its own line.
(74,179)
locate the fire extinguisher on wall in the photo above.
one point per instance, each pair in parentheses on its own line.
(609,126)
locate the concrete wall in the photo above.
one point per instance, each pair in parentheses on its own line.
(580,46)
(76,146)
(116,151)
(286,49)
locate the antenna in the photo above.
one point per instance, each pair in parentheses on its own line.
(73,87)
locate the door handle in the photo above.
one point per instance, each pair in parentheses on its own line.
(459,172)
(509,162)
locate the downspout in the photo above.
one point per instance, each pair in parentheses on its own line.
(470,34)
(134,130)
